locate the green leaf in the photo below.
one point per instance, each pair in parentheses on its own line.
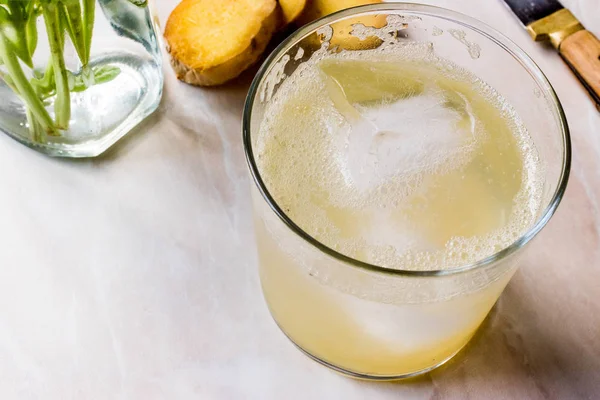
(89,16)
(12,26)
(99,75)
(106,74)
(72,20)
(31,31)
(44,84)
(17,42)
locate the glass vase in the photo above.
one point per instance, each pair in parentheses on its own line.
(77,75)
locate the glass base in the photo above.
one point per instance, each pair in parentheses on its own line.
(367,377)
(101,115)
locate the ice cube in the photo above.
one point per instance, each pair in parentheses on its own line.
(408,136)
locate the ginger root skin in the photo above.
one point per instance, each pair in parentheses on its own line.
(316,9)
(211,42)
(291,10)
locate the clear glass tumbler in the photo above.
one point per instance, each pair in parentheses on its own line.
(366,320)
(77,75)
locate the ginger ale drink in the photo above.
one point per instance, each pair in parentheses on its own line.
(388,161)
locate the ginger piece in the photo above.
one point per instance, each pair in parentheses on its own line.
(291,10)
(316,9)
(212,42)
(342,38)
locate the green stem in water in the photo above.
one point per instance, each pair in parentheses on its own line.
(34,127)
(18,42)
(89,16)
(24,88)
(62,104)
(8,80)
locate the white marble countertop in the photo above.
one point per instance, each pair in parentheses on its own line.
(133,276)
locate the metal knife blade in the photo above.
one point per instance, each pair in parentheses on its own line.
(529,11)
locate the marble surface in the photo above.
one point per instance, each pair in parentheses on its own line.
(133,276)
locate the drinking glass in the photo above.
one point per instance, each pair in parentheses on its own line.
(366,320)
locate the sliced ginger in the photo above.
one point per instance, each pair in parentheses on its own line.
(319,8)
(291,10)
(211,42)
(342,38)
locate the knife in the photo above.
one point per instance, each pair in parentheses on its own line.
(547,20)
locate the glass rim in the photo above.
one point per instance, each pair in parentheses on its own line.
(472,24)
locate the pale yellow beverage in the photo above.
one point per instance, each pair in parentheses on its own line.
(401,161)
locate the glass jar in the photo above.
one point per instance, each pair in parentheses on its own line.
(372,321)
(77,75)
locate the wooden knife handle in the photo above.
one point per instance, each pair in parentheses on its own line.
(581,51)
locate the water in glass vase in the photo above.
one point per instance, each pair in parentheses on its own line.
(77,76)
